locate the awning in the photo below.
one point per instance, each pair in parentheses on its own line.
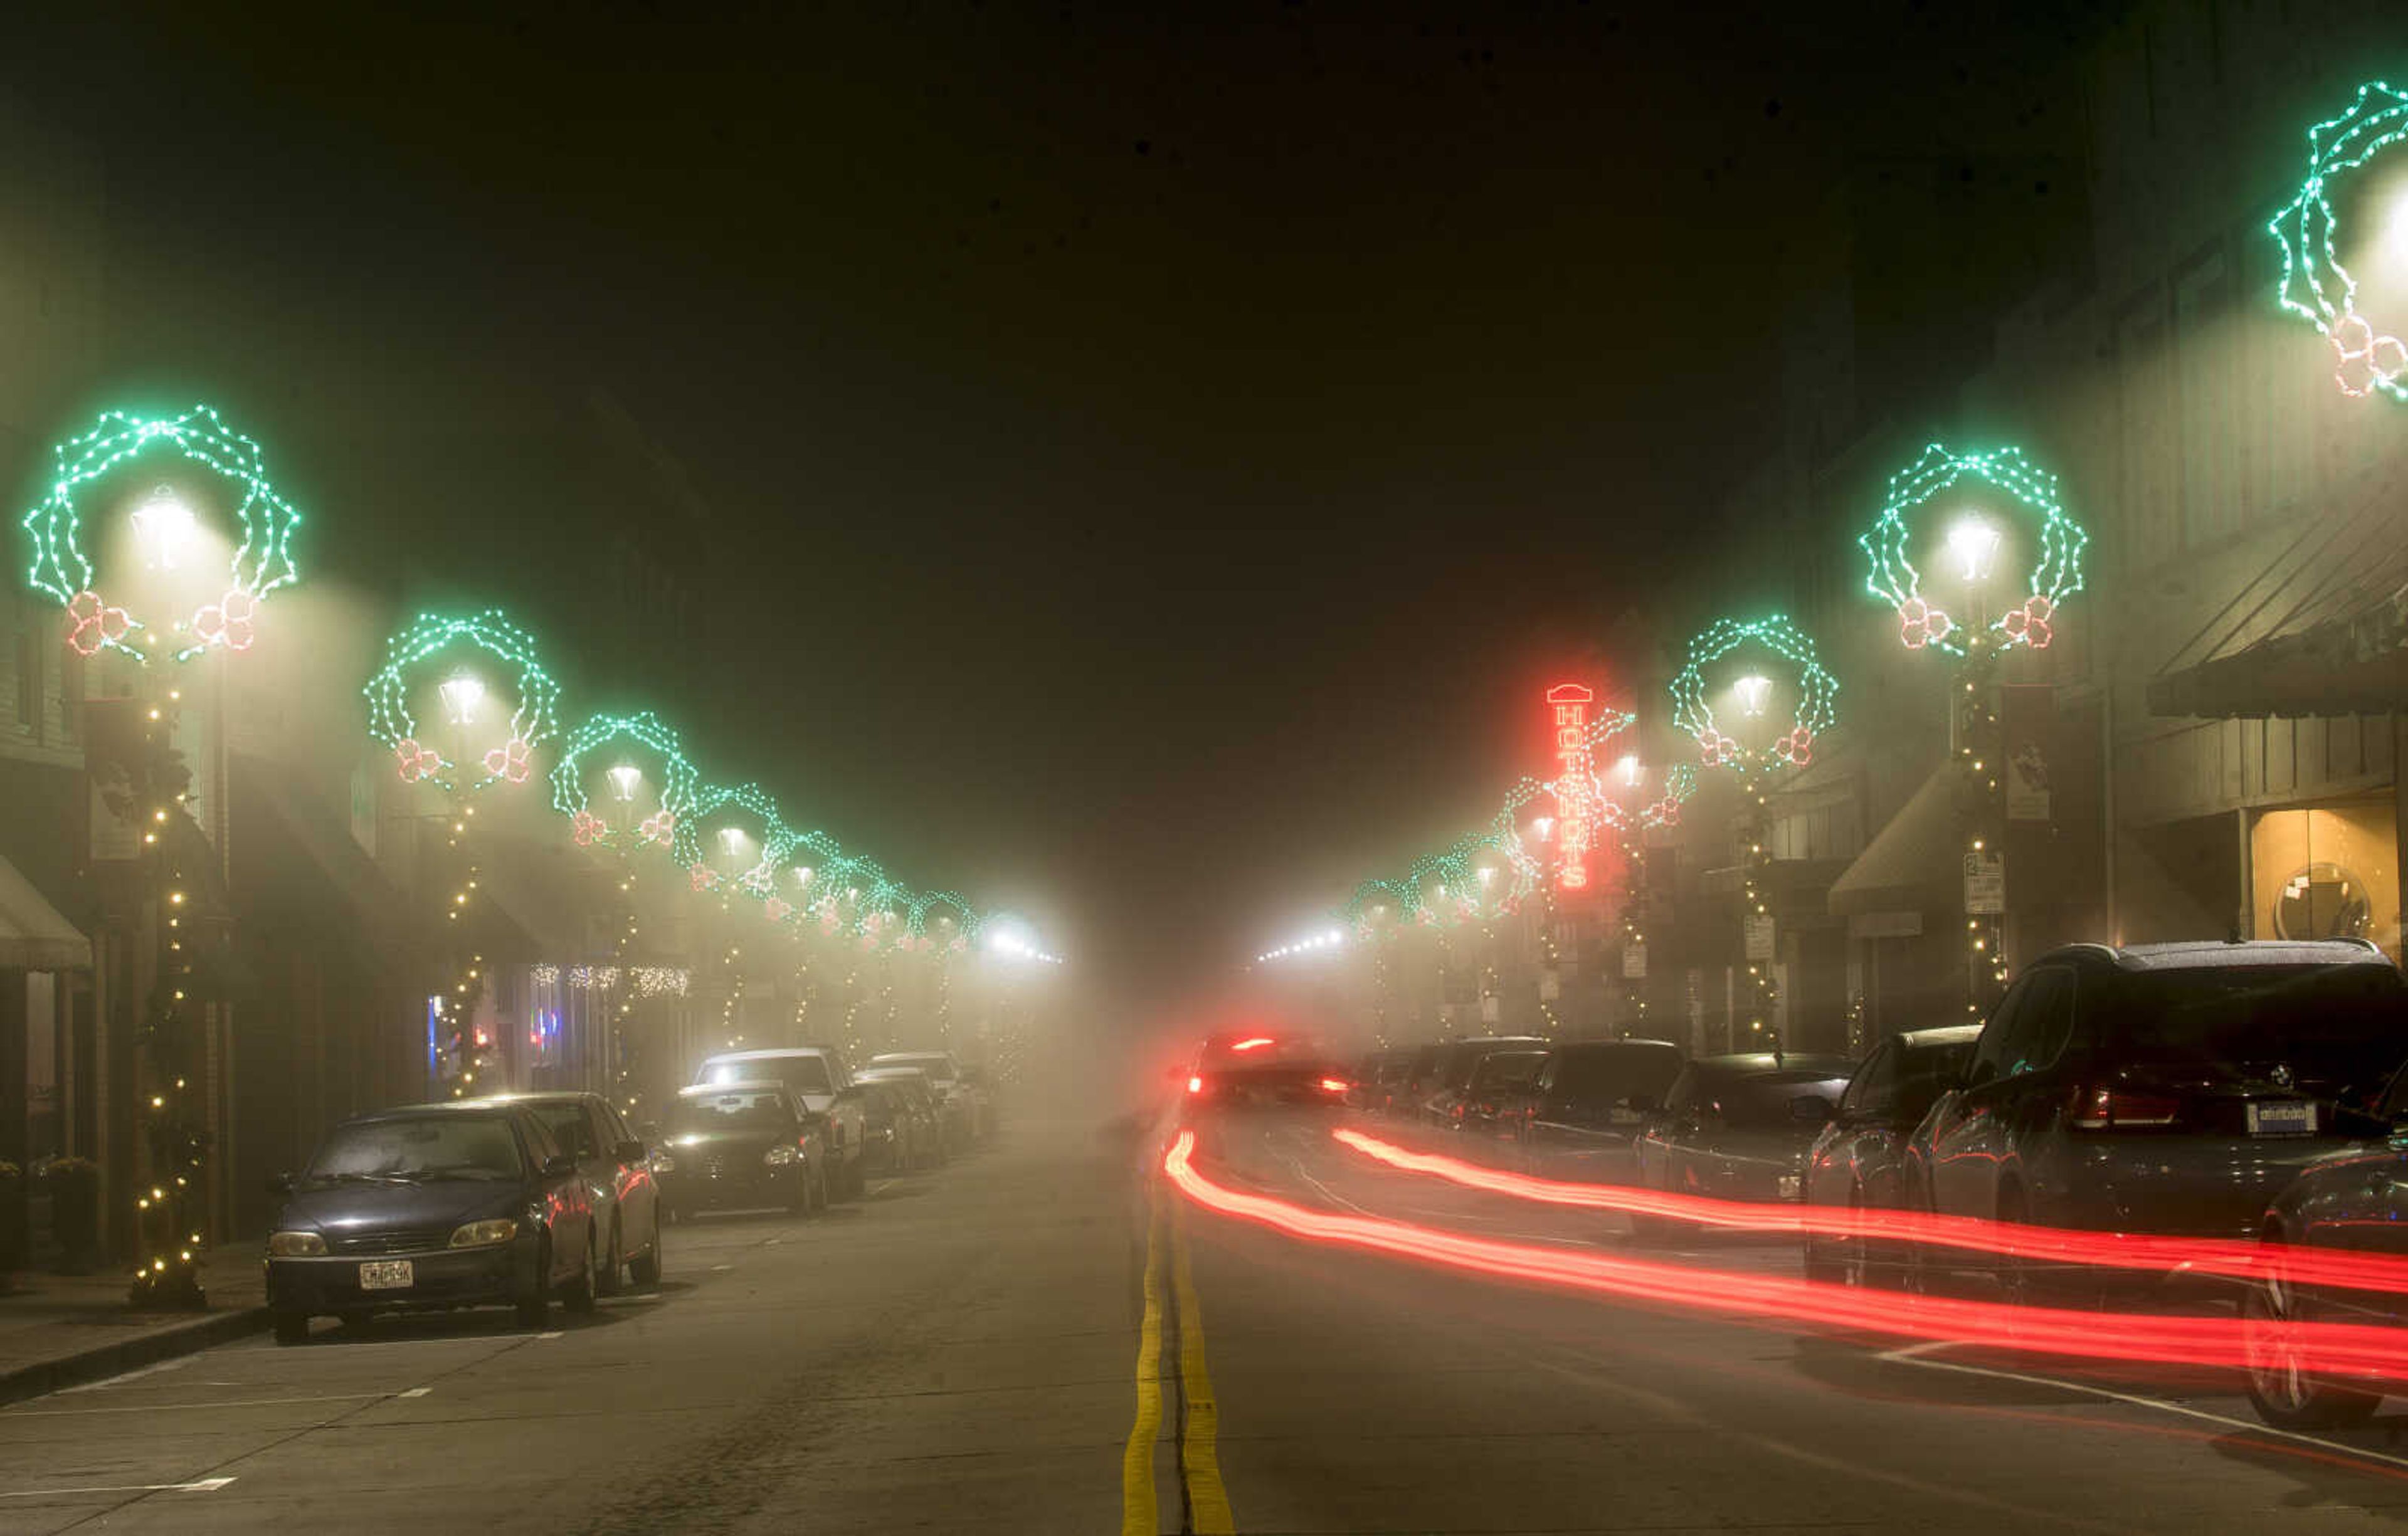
(33,935)
(2319,627)
(1913,861)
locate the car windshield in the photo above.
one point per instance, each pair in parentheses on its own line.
(1609,1075)
(800,1074)
(419,1147)
(2331,1025)
(759,1109)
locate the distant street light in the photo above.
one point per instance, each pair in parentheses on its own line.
(1633,771)
(1755,691)
(624,780)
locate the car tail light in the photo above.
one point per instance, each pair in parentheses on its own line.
(2119,1109)
(1457,1110)
(1333,1085)
(1195,1085)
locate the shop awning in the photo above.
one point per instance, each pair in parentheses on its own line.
(2321,628)
(1912,863)
(33,935)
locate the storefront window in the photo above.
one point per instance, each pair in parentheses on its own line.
(2328,873)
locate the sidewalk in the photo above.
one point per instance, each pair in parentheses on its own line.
(64,1329)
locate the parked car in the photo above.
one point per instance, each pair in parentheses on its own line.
(1501,1084)
(1739,1128)
(2355,1199)
(1581,1116)
(2172,1089)
(1860,1161)
(618,1170)
(431,1208)
(1420,1080)
(817,1076)
(747,1145)
(1451,1075)
(931,1138)
(958,1112)
(1377,1078)
(900,1136)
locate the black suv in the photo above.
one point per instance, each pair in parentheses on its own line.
(2171,1088)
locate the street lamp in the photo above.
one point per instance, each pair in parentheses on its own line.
(1755,691)
(1973,544)
(166,527)
(462,694)
(731,841)
(1633,772)
(624,780)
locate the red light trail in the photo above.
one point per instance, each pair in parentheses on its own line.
(2055,1245)
(2343,1349)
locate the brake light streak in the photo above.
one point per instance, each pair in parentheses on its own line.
(2348,1349)
(2055,1245)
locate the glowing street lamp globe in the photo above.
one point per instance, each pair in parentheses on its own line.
(1973,544)
(463,692)
(166,527)
(1755,691)
(624,780)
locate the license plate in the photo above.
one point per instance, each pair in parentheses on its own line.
(2281,1119)
(1624,1116)
(387,1274)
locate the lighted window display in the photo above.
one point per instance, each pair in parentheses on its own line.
(2328,873)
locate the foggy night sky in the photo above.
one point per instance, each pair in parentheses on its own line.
(1172,454)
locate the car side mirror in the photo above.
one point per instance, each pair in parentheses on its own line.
(282,1184)
(559,1167)
(630,1151)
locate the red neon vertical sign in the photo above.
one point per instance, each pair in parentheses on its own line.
(1575,789)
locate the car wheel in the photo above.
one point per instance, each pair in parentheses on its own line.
(2281,1387)
(855,1181)
(612,1262)
(816,1178)
(645,1268)
(535,1310)
(291,1327)
(578,1297)
(1862,1265)
(801,1202)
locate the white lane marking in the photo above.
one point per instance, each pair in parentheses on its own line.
(205,1485)
(721,1268)
(553,1334)
(415,1392)
(151,1370)
(771,1242)
(173,1407)
(1917,1355)
(882,1185)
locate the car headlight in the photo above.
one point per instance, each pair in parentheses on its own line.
(886,1132)
(480,1234)
(1790,1185)
(780,1156)
(295,1245)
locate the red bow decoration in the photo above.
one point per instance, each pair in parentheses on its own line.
(756,879)
(591,829)
(229,620)
(703,880)
(1720,751)
(777,909)
(827,917)
(659,827)
(92,623)
(1667,811)
(1797,746)
(2032,623)
(1919,623)
(417,761)
(2366,358)
(511,760)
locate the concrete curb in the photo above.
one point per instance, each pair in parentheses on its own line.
(120,1356)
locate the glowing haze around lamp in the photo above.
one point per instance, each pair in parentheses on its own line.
(166,528)
(462,694)
(624,779)
(1755,691)
(1973,546)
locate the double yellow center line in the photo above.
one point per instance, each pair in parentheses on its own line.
(1205,1502)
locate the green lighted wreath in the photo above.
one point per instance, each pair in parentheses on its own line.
(681,783)
(2316,286)
(1817,695)
(262,560)
(391,722)
(2056,574)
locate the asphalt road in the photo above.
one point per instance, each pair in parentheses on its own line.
(968,1350)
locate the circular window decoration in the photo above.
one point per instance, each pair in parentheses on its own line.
(2367,358)
(2056,573)
(1817,691)
(432,653)
(2323,901)
(261,536)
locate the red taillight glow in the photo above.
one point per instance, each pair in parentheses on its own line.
(2115,1109)
(1334,1085)
(1195,1085)
(2056,1245)
(2349,1349)
(1253,1043)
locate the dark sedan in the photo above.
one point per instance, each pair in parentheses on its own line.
(2357,1199)
(1860,1161)
(2172,1089)
(618,1171)
(742,1145)
(1442,1102)
(1739,1128)
(1583,1115)
(431,1207)
(902,1122)
(1491,1103)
